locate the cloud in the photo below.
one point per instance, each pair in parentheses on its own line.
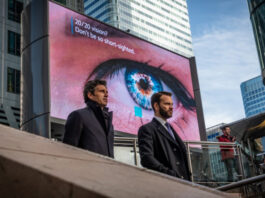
(226,56)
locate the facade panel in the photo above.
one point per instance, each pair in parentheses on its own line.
(10,22)
(77,5)
(165,23)
(257,16)
(253,95)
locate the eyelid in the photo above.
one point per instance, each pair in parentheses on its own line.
(112,67)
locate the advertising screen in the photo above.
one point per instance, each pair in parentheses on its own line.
(82,48)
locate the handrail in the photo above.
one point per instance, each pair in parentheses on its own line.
(210,143)
(241,183)
(125,138)
(133,143)
(187,142)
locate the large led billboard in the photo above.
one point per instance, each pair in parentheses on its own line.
(82,48)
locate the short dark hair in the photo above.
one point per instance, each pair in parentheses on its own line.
(156,97)
(224,127)
(90,86)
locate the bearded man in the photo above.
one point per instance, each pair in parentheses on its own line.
(160,147)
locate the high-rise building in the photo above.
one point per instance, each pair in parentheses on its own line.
(77,5)
(10,61)
(213,132)
(162,22)
(218,169)
(257,16)
(253,95)
(10,22)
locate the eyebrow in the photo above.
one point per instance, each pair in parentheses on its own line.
(102,89)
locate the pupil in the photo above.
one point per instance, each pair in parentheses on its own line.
(144,84)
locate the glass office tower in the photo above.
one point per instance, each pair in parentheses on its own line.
(163,22)
(73,4)
(257,16)
(253,95)
(218,169)
(10,21)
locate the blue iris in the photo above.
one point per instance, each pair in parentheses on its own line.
(141,87)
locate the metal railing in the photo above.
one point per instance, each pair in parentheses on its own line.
(244,182)
(250,187)
(132,147)
(206,165)
(212,170)
(204,160)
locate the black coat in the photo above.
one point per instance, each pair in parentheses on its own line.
(160,152)
(85,130)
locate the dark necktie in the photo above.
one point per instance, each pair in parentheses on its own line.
(170,130)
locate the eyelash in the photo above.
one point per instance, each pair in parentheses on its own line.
(112,67)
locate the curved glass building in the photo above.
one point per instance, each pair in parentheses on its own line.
(257,16)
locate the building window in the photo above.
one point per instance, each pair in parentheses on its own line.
(14,10)
(13,80)
(13,43)
(61,1)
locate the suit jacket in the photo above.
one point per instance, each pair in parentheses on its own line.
(83,129)
(160,152)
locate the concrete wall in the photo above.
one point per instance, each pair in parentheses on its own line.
(33,166)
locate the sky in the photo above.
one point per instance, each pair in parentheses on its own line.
(226,55)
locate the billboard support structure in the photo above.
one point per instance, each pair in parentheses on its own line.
(35,108)
(197,95)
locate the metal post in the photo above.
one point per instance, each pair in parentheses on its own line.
(3,48)
(251,157)
(189,161)
(135,152)
(241,167)
(240,161)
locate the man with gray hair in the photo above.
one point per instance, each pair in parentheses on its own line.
(91,127)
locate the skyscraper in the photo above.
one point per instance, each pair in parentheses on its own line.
(10,61)
(218,169)
(257,16)
(163,22)
(77,5)
(10,21)
(253,95)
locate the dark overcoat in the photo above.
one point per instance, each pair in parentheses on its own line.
(84,130)
(160,152)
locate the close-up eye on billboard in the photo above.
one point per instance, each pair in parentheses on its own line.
(82,48)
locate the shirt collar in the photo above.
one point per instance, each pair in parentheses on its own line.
(93,104)
(163,122)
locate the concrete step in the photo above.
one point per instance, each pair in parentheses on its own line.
(33,166)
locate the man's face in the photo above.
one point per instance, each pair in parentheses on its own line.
(227,131)
(100,95)
(165,107)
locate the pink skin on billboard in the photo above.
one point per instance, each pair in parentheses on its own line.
(133,68)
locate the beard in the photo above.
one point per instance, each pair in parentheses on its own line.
(165,114)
